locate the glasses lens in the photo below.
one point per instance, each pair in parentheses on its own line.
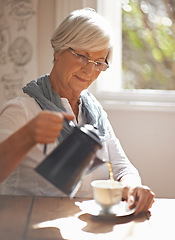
(100,66)
(83,59)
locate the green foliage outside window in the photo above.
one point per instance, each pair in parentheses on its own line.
(148,51)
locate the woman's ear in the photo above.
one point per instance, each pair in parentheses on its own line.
(56,56)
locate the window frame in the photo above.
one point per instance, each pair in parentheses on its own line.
(129,98)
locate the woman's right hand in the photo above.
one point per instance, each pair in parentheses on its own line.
(46,126)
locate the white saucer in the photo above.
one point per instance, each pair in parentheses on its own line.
(91,207)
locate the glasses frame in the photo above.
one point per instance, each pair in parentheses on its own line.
(104,65)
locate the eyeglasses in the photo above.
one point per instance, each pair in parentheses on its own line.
(84,60)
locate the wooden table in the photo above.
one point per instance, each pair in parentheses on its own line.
(41,218)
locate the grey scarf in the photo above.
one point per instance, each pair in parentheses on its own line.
(45,96)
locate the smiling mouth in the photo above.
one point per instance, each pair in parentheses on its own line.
(82,79)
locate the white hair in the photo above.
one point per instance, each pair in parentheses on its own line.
(83,29)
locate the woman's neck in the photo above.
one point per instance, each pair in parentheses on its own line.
(73,98)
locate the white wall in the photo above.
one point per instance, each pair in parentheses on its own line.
(46,26)
(149,141)
(147,136)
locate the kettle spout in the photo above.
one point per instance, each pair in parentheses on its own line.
(95,163)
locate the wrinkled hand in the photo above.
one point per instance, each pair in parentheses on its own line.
(141,198)
(46,126)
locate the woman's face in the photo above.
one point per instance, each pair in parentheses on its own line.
(71,76)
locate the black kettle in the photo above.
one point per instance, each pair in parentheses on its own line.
(72,159)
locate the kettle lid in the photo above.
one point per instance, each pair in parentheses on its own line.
(92,132)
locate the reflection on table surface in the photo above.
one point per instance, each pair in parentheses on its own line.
(34,218)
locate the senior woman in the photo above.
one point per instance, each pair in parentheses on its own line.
(82,48)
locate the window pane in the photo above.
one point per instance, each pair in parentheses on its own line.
(148,44)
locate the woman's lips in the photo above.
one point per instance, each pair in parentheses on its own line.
(82,79)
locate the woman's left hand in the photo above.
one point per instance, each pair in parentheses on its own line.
(141,198)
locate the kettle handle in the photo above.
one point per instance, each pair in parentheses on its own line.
(69,123)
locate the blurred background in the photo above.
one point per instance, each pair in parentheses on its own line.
(148,33)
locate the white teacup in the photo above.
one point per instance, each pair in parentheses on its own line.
(107,193)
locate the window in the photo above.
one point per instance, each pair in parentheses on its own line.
(143,66)
(148,45)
